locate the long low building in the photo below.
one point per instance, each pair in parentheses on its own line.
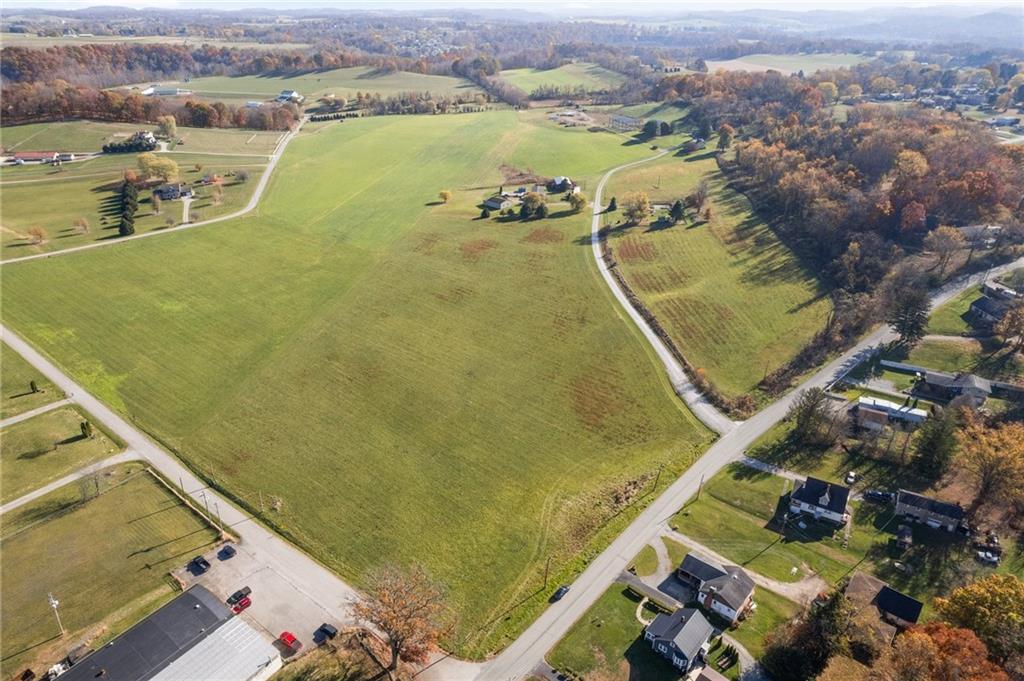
(195,636)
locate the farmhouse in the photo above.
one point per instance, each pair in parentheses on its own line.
(696,144)
(170,192)
(874,413)
(681,638)
(987,310)
(723,589)
(561,184)
(498,203)
(290,96)
(932,512)
(36,157)
(195,636)
(821,499)
(940,385)
(885,609)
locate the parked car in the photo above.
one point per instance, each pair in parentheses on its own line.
(851,477)
(988,557)
(288,639)
(239,595)
(327,631)
(199,565)
(559,593)
(878,496)
(241,605)
(227,551)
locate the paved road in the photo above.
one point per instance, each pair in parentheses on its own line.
(123,457)
(249,207)
(307,578)
(33,412)
(516,661)
(695,400)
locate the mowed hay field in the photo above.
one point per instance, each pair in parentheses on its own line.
(590,76)
(105,558)
(90,136)
(341,82)
(789,63)
(411,382)
(733,297)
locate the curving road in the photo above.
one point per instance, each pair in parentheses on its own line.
(695,400)
(249,207)
(526,652)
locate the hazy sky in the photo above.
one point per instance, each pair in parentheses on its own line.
(570,6)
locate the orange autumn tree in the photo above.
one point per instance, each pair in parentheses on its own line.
(409,609)
(939,652)
(994,456)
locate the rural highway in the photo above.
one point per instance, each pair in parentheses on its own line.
(519,659)
(249,207)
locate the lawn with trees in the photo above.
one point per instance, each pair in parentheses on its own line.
(369,357)
(125,513)
(47,447)
(734,298)
(90,206)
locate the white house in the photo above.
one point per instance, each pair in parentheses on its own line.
(822,500)
(725,590)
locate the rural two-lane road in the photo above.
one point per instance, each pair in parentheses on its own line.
(520,658)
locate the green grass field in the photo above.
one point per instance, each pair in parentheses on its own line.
(16,376)
(968,355)
(951,319)
(788,63)
(646,562)
(772,610)
(89,190)
(735,300)
(373,358)
(590,76)
(90,136)
(47,447)
(123,543)
(340,82)
(607,643)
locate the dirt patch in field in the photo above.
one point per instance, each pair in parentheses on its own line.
(544,235)
(455,294)
(514,175)
(427,243)
(472,250)
(595,399)
(632,250)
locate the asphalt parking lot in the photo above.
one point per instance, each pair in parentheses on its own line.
(277,604)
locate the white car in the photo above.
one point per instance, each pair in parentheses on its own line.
(988,557)
(851,477)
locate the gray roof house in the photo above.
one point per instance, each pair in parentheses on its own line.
(950,386)
(934,513)
(989,310)
(726,590)
(821,499)
(498,203)
(681,638)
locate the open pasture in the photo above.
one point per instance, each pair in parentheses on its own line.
(364,357)
(732,296)
(47,447)
(590,76)
(788,63)
(16,377)
(74,136)
(105,557)
(340,82)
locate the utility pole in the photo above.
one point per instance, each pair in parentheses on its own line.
(658,476)
(53,604)
(207,502)
(261,502)
(181,485)
(700,486)
(217,507)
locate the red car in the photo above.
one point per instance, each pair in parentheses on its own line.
(288,639)
(241,605)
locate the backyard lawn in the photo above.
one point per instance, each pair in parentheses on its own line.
(368,357)
(134,519)
(607,643)
(969,355)
(16,376)
(45,448)
(735,300)
(578,74)
(950,319)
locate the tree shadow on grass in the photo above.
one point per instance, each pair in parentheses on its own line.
(28,648)
(154,547)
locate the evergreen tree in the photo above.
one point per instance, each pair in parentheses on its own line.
(936,444)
